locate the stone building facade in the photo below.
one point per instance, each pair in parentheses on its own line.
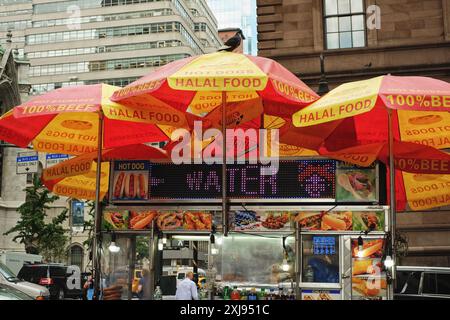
(361,39)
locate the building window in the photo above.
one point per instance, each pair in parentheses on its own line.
(76,256)
(344,24)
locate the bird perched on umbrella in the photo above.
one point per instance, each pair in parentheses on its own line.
(234,42)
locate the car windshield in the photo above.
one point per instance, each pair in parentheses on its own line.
(7,273)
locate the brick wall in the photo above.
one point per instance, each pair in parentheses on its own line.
(414,39)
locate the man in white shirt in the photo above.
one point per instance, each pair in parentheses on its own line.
(187,290)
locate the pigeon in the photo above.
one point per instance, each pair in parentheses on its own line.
(234,42)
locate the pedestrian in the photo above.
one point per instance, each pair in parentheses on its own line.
(187,289)
(144,285)
(87,288)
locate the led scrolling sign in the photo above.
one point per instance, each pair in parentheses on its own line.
(313,180)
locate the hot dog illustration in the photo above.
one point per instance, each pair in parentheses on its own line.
(143,189)
(130,186)
(118,188)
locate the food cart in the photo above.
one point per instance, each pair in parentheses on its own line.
(316,229)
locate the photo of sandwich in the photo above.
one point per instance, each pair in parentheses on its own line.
(424,120)
(356,185)
(368,220)
(197,221)
(142,220)
(115,220)
(337,221)
(308,220)
(366,267)
(425,177)
(369,287)
(130,185)
(321,295)
(371,249)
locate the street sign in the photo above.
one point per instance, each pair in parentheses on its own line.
(53,159)
(27,162)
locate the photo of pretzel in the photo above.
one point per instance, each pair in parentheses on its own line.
(169,220)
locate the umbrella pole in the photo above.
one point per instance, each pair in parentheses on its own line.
(392,214)
(224,166)
(98,217)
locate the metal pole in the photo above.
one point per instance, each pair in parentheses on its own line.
(298,261)
(153,248)
(98,216)
(131,265)
(224,166)
(392,214)
(195,260)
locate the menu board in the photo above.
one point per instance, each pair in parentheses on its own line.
(356,184)
(294,180)
(340,220)
(321,295)
(369,281)
(165,220)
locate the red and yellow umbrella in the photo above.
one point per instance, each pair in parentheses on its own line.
(76,177)
(82,186)
(68,120)
(414,107)
(247,85)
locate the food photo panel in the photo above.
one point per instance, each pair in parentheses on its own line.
(130,181)
(356,184)
(249,220)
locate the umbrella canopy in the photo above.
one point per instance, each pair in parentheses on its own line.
(76,177)
(67,121)
(361,111)
(82,186)
(253,85)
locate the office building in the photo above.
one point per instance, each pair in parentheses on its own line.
(238,14)
(111,41)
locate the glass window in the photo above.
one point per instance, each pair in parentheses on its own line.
(429,283)
(343,6)
(330,7)
(443,283)
(357,6)
(320,264)
(333,40)
(76,256)
(345,40)
(344,24)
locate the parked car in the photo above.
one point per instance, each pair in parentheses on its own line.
(9,293)
(7,277)
(53,276)
(422,283)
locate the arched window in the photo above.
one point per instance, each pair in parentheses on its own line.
(76,256)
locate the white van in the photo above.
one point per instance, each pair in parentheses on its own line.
(15,260)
